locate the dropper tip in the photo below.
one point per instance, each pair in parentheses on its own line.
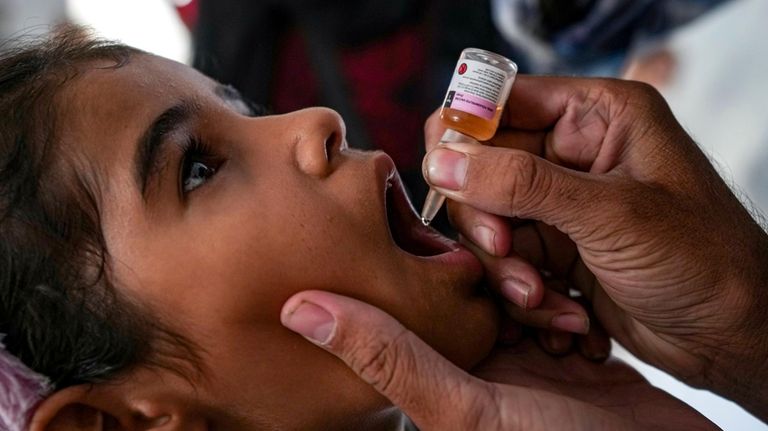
(425,221)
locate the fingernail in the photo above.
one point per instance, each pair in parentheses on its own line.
(311,321)
(485,237)
(570,322)
(516,291)
(446,168)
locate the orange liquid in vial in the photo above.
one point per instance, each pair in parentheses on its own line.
(472,125)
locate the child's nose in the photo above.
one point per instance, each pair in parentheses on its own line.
(321,137)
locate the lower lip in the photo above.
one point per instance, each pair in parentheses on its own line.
(460,257)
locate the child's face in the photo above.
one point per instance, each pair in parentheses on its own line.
(288,208)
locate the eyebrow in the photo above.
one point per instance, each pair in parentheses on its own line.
(153,141)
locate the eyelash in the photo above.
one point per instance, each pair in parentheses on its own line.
(197,151)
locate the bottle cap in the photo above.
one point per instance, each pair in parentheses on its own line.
(454,136)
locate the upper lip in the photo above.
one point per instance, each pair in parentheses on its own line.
(404,225)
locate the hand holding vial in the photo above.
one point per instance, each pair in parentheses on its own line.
(596,184)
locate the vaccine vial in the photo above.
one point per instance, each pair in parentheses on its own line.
(478,92)
(472,107)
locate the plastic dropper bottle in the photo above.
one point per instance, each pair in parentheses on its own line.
(473,104)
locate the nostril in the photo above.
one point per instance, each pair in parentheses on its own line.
(332,145)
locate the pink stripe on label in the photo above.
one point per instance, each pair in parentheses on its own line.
(473,105)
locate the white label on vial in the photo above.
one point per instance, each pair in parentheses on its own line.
(475,88)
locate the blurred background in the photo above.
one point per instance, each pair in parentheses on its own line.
(385,66)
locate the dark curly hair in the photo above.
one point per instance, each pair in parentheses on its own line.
(59,311)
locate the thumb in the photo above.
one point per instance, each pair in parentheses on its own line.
(433,392)
(515,183)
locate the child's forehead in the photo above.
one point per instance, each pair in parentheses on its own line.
(140,75)
(108,98)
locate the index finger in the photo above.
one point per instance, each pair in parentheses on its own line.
(538,102)
(580,123)
(433,130)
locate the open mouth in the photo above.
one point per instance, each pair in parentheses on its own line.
(406,228)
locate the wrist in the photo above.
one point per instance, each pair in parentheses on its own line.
(739,367)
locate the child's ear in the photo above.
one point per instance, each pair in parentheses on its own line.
(114,407)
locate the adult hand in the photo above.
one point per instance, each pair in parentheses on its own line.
(538,392)
(631,213)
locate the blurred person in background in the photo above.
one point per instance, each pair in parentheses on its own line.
(597,37)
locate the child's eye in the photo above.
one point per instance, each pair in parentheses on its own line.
(198,165)
(194,174)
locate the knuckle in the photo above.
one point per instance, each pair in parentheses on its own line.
(608,85)
(610,97)
(379,360)
(643,91)
(523,181)
(483,408)
(621,88)
(638,100)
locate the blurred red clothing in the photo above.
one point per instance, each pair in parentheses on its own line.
(188,13)
(382,78)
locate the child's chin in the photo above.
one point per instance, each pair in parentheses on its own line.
(474,340)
